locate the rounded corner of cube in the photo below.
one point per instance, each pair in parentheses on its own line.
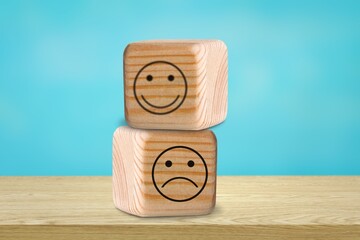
(127,50)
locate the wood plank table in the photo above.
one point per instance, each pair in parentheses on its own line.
(247,208)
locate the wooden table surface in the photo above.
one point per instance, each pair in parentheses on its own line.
(247,208)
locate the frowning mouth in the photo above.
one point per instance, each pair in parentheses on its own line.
(165,106)
(174,178)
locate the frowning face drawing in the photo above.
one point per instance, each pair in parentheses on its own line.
(160,87)
(179,173)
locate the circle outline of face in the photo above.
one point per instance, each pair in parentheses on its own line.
(172,110)
(179,200)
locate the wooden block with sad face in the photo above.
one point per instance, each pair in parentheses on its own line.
(176,84)
(164,173)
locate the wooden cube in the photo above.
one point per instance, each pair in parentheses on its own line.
(164,173)
(175,84)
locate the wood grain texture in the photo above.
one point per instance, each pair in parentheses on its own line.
(247,208)
(164,173)
(194,99)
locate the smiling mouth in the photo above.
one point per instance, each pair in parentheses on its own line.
(174,178)
(165,106)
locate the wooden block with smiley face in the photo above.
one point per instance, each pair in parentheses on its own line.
(164,173)
(175,84)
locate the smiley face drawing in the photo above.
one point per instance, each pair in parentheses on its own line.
(179,173)
(160,87)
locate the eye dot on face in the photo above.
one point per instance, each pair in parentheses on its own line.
(168,163)
(149,77)
(171,78)
(191,163)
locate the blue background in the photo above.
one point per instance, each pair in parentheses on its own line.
(294,82)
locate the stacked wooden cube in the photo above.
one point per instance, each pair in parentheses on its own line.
(164,164)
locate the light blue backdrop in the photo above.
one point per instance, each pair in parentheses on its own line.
(294,82)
